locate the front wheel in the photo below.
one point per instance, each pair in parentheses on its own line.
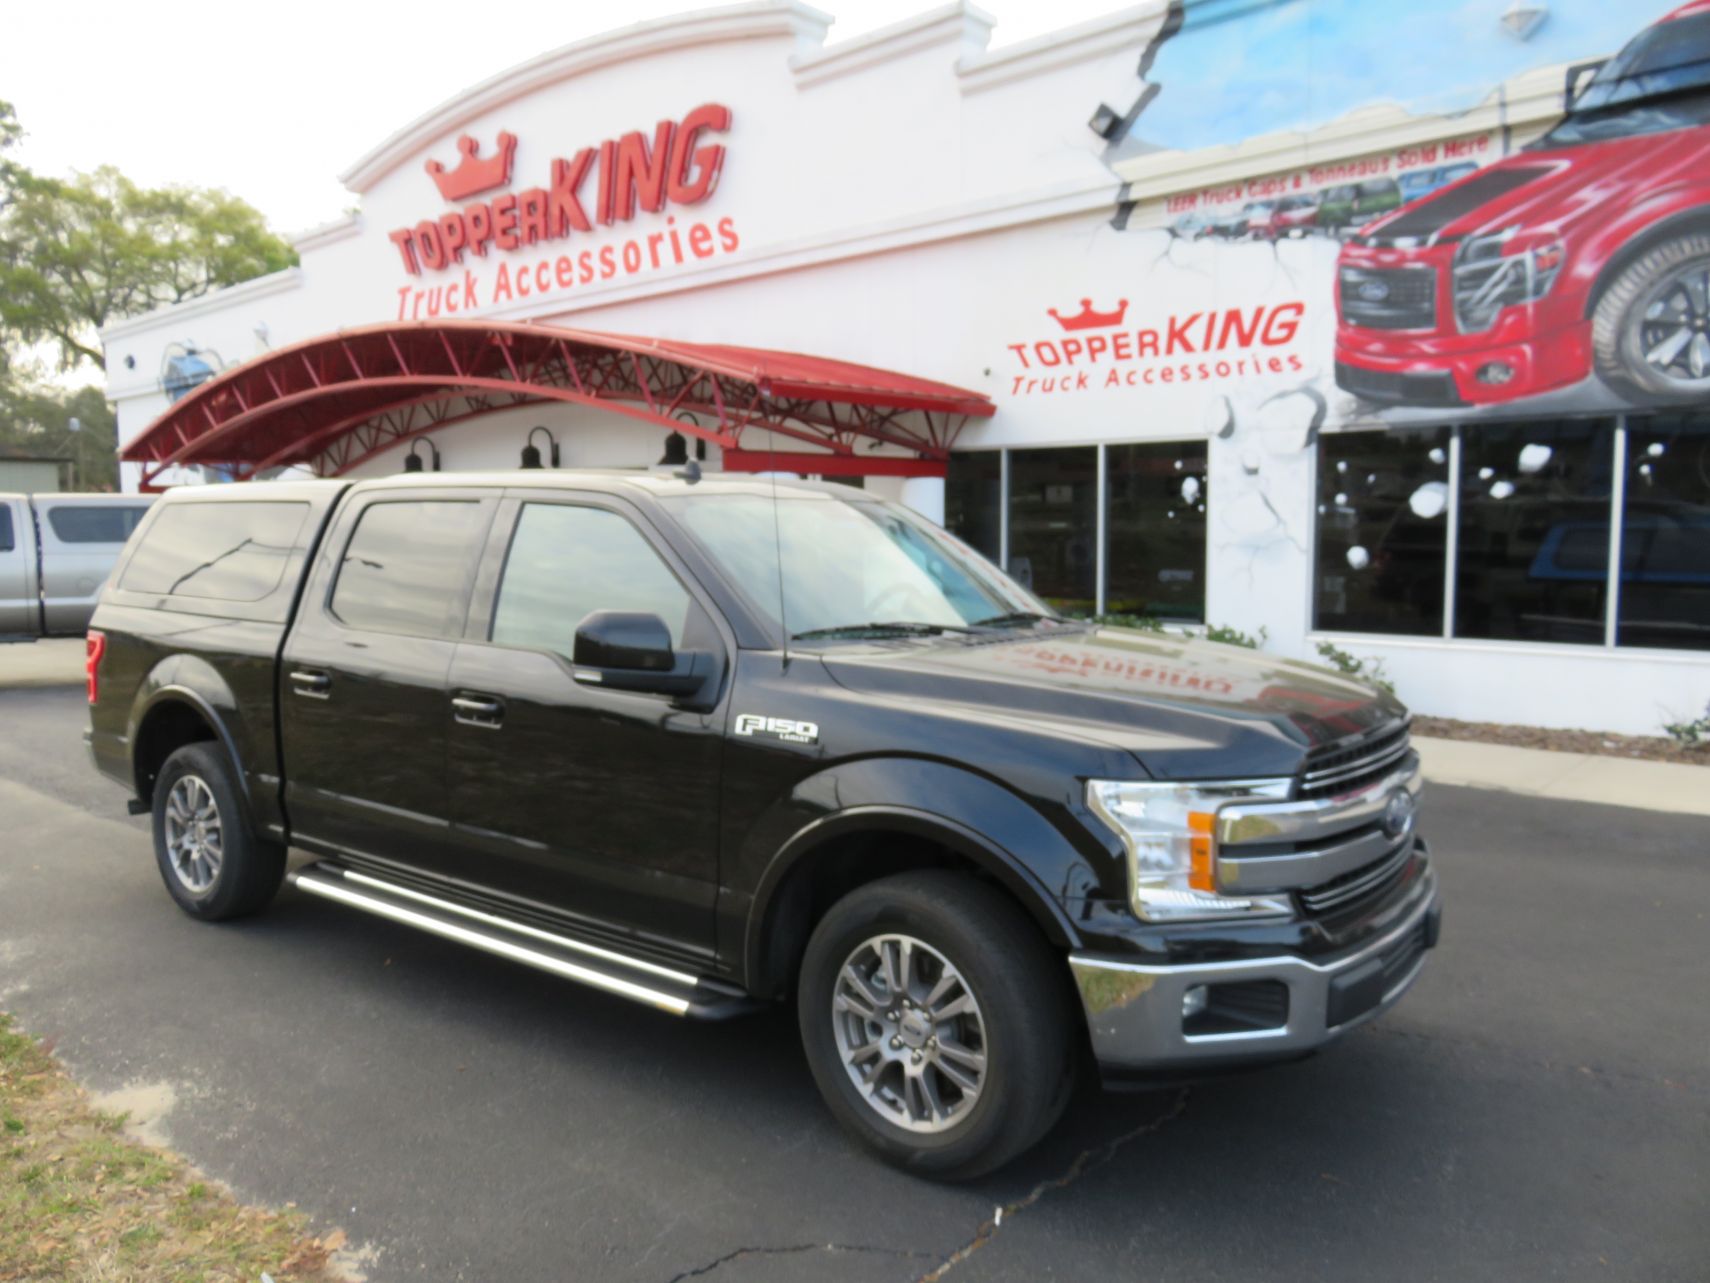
(212,862)
(1650,332)
(934,1020)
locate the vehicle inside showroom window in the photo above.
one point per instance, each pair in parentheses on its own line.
(1529,506)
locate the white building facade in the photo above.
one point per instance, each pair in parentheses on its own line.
(1346,355)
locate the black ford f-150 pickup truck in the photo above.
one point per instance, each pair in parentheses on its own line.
(712,743)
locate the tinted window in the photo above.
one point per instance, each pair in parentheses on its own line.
(94,525)
(405,567)
(1053,510)
(973,499)
(1155,529)
(230,551)
(1383,531)
(7,540)
(1665,535)
(567,562)
(1534,531)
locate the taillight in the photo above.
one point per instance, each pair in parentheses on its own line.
(94,647)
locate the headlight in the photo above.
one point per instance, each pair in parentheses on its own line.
(1170,833)
(1492,272)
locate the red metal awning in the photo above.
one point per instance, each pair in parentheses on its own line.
(334,402)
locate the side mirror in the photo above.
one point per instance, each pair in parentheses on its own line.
(625,639)
(1579,75)
(631,651)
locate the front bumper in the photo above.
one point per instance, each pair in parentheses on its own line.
(1135,1015)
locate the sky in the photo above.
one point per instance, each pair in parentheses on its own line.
(272,101)
(1238,69)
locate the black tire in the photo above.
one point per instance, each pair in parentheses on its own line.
(1020,987)
(1617,346)
(249,868)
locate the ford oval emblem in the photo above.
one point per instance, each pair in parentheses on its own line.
(1398,814)
(1374,291)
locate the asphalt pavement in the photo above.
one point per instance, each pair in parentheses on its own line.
(1537,1108)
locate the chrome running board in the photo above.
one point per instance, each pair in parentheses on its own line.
(678,992)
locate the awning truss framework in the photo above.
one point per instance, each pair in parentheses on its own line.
(335,402)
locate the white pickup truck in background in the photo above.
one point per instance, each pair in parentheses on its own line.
(56,551)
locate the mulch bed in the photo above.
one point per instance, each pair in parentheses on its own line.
(1653,747)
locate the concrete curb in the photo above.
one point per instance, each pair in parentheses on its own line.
(1567,777)
(55,662)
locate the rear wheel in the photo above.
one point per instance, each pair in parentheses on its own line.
(210,858)
(935,1023)
(1650,333)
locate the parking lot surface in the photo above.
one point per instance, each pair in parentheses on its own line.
(1537,1108)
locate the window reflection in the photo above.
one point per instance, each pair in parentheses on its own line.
(1534,531)
(405,566)
(229,551)
(1665,534)
(973,500)
(566,562)
(1053,515)
(1155,509)
(1383,501)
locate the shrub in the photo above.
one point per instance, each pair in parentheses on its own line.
(1366,670)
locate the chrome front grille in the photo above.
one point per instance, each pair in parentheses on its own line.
(1357,884)
(1342,768)
(1389,298)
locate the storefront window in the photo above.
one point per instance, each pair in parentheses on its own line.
(973,500)
(1052,520)
(1155,507)
(1383,523)
(1665,534)
(1534,531)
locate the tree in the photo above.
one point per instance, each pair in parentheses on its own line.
(39,419)
(78,253)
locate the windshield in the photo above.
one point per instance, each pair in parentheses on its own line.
(847,563)
(1647,88)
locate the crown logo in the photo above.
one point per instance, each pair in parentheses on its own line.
(1089,319)
(474,175)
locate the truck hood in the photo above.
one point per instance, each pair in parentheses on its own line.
(1551,188)
(1187,709)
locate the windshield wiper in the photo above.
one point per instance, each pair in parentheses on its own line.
(1016,617)
(882,627)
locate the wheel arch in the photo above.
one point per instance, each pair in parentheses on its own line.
(836,853)
(169,717)
(1694,219)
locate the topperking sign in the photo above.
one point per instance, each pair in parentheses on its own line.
(598,187)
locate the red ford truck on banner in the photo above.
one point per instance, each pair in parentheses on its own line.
(1587,251)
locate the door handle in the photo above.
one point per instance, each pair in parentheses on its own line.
(478,710)
(314,685)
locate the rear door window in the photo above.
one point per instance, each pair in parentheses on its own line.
(407,564)
(79,524)
(227,551)
(8,540)
(565,562)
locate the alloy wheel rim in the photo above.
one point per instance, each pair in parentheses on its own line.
(1674,327)
(910,1033)
(195,841)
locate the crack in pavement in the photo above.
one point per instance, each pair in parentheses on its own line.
(1087,1160)
(795,1250)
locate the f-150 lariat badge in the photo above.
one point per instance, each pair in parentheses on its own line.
(782,728)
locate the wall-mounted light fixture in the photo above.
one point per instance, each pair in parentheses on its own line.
(531,452)
(1104,121)
(413,461)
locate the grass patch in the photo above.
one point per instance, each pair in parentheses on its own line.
(78,1200)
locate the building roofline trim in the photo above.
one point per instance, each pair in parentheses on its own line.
(1063,48)
(339,229)
(755,19)
(959,22)
(213,301)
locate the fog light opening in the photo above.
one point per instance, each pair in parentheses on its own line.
(1495,373)
(1194,1001)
